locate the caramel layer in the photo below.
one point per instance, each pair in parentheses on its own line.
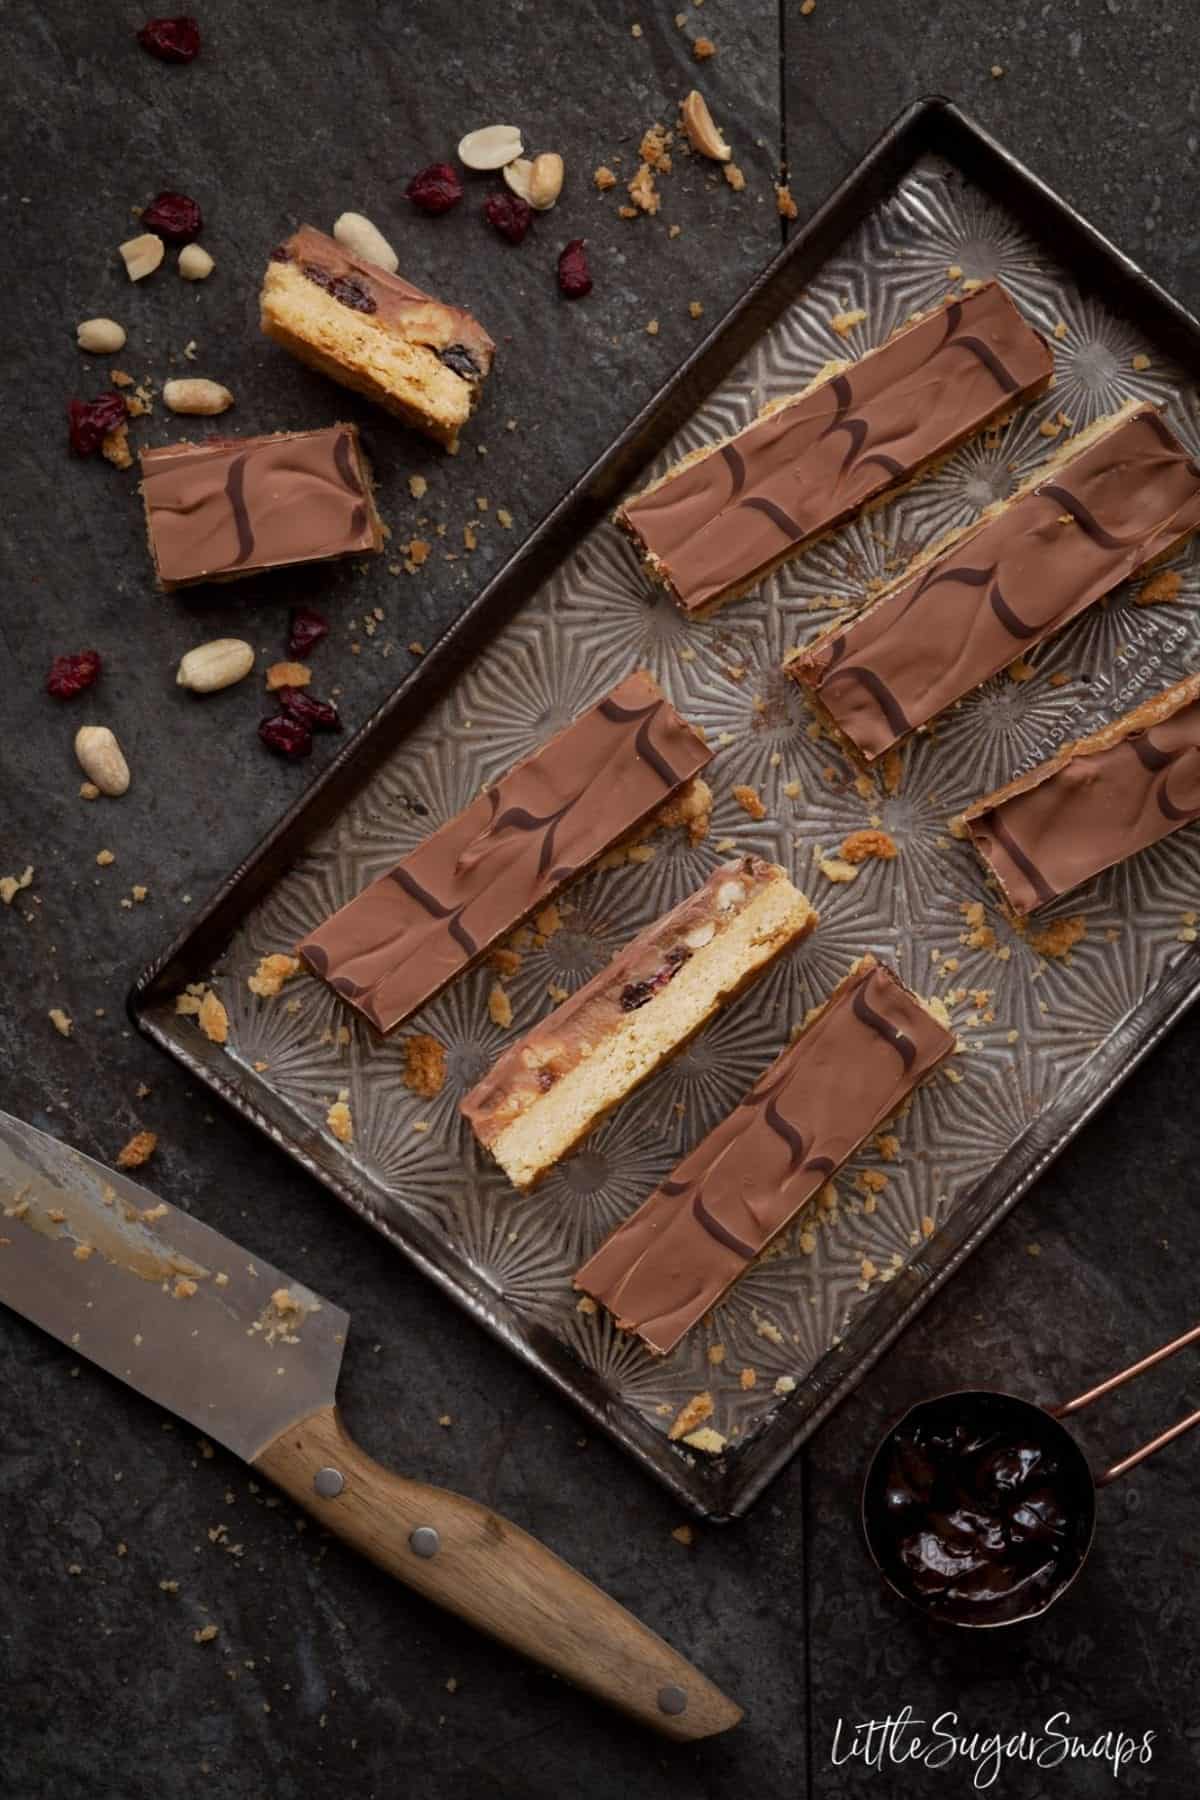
(1096,802)
(1005,585)
(720,521)
(687,1244)
(404,937)
(236,506)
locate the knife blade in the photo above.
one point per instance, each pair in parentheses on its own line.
(225,1340)
(251,1357)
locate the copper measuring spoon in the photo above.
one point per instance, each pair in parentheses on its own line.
(951,1563)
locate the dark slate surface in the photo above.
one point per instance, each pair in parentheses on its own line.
(322,1673)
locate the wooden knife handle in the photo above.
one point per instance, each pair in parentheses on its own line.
(465,1557)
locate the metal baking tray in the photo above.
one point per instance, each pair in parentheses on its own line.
(569,615)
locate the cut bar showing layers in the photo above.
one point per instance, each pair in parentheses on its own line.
(713,526)
(851,1068)
(546,1092)
(1121,494)
(231,507)
(439,910)
(1096,802)
(421,358)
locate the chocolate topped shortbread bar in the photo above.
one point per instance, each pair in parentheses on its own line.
(1121,494)
(421,358)
(1096,802)
(439,910)
(547,1091)
(850,1069)
(230,507)
(713,526)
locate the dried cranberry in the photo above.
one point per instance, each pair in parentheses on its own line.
(352,293)
(511,215)
(636,993)
(436,189)
(318,715)
(459,358)
(308,627)
(69,675)
(574,276)
(286,736)
(90,421)
(174,217)
(171,40)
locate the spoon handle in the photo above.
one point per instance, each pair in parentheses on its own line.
(1115,1381)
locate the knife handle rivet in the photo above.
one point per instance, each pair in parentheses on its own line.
(424,1541)
(672,1699)
(329,1483)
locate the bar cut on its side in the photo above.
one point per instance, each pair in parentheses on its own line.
(1095,802)
(719,521)
(552,1087)
(851,1068)
(231,507)
(423,359)
(439,910)
(1118,497)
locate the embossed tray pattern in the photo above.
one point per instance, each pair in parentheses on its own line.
(1042,1043)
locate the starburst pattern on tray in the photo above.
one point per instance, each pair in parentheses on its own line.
(1029,1020)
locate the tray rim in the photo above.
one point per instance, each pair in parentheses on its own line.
(931,124)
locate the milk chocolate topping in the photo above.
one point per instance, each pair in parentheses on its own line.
(1007,584)
(399,942)
(366,288)
(232,506)
(803,469)
(1096,802)
(674,1258)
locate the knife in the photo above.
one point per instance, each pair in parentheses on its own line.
(251,1358)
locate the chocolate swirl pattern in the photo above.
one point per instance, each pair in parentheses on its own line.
(397,944)
(1096,802)
(675,1257)
(716,525)
(1007,584)
(235,506)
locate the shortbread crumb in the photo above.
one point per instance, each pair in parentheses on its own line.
(138,1150)
(271,973)
(340,1122)
(212,1019)
(692,1413)
(424,1065)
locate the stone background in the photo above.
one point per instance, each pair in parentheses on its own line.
(323,1674)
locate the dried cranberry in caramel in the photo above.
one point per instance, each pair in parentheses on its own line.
(286,736)
(353,294)
(69,675)
(90,421)
(510,215)
(308,627)
(637,993)
(574,276)
(174,217)
(459,358)
(171,40)
(342,287)
(436,189)
(318,715)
